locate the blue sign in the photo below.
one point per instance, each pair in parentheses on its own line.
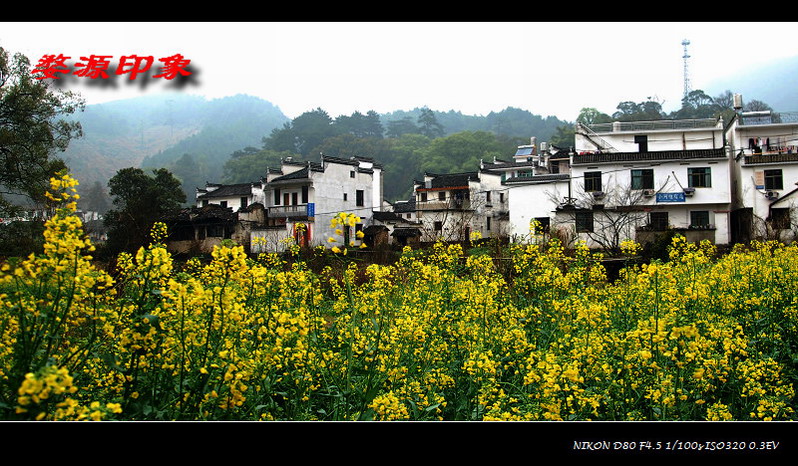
(670,197)
(311,209)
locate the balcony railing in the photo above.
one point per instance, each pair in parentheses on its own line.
(288,211)
(763,118)
(756,159)
(654,125)
(649,156)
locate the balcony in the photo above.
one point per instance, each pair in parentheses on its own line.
(769,157)
(289,211)
(649,156)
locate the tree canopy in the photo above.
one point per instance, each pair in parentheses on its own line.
(139,200)
(32,129)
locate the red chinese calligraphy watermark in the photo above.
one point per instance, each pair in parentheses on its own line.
(99,67)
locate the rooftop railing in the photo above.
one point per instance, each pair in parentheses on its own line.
(654,125)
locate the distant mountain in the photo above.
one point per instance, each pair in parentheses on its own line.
(156,131)
(772,83)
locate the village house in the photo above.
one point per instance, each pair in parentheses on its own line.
(234,196)
(629,180)
(301,198)
(451,207)
(764,145)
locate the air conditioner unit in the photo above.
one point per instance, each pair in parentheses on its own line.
(598,194)
(648,192)
(771,195)
(689,191)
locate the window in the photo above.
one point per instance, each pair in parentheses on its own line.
(359,198)
(699,219)
(276,197)
(592,181)
(423,197)
(215,231)
(351,174)
(223,204)
(780,218)
(344,196)
(487,196)
(642,145)
(304,194)
(643,179)
(584,222)
(244,201)
(658,221)
(438,226)
(773,179)
(488,224)
(442,196)
(542,225)
(501,197)
(699,177)
(204,203)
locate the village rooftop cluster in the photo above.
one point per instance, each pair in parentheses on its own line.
(726,182)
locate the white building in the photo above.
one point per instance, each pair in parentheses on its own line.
(630,180)
(453,206)
(765,148)
(301,199)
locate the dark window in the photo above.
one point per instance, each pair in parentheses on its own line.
(215,231)
(276,197)
(488,224)
(442,196)
(344,196)
(584,222)
(780,218)
(204,202)
(699,218)
(487,196)
(642,143)
(294,198)
(359,198)
(244,202)
(699,177)
(438,226)
(501,197)
(658,221)
(304,194)
(592,181)
(643,179)
(543,224)
(423,197)
(773,179)
(351,174)
(223,204)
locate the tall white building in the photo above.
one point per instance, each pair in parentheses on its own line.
(764,146)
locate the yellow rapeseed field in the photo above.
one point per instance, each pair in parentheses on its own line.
(442,334)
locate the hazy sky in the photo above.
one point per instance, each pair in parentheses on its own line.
(474,67)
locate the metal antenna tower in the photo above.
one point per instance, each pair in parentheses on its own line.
(687,88)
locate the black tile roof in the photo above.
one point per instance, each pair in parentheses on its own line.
(228,190)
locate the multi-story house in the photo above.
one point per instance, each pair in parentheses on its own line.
(301,198)
(452,207)
(632,179)
(765,147)
(534,182)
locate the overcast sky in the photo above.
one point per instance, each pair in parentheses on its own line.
(473,67)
